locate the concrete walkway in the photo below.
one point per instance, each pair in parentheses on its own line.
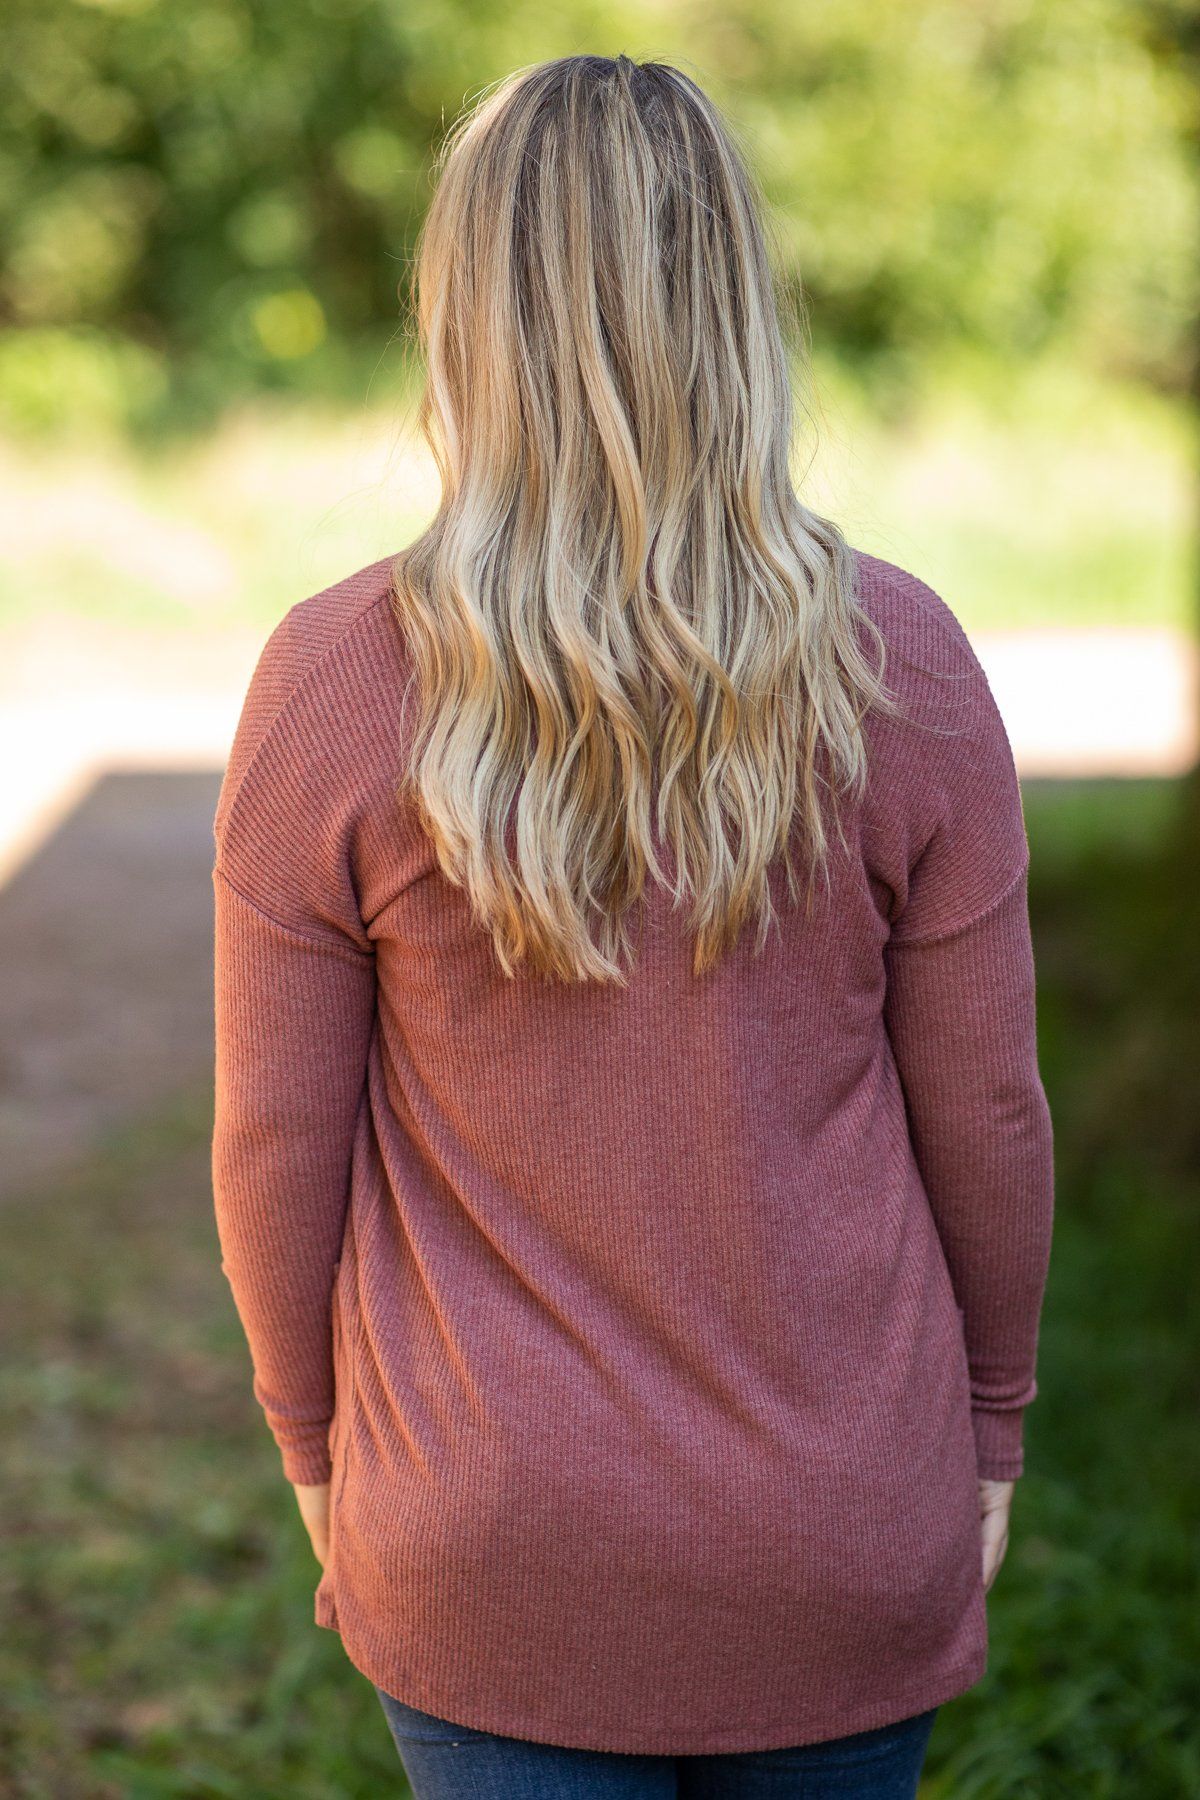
(1090,703)
(1077,703)
(1105,702)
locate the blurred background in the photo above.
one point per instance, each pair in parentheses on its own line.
(206,395)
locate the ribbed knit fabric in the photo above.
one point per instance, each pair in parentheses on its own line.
(654,1338)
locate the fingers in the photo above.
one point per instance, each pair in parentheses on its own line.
(995,1506)
(994,1546)
(314,1511)
(318,1537)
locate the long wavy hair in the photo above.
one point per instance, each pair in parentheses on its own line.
(637,655)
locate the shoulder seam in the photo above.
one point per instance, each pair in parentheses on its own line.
(976,918)
(309,939)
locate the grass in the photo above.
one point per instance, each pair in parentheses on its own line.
(157,1586)
(1039,497)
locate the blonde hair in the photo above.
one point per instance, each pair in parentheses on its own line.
(623,621)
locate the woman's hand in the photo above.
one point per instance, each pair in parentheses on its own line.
(995,1504)
(314,1510)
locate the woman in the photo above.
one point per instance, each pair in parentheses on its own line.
(631,1165)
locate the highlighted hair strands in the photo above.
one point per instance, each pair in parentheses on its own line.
(637,655)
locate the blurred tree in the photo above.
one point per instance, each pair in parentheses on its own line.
(1006,176)
(236,187)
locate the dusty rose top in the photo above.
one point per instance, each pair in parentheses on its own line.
(654,1338)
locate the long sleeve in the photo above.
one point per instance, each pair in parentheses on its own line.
(961,1016)
(294,1016)
(295,994)
(948,838)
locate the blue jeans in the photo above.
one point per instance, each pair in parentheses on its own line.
(454,1762)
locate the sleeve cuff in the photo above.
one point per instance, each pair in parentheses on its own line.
(999,1449)
(309,1463)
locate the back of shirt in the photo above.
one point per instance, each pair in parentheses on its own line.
(654,1336)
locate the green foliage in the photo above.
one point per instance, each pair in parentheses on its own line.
(1002,175)
(237,187)
(52,374)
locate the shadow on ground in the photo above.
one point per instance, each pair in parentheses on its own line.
(105,968)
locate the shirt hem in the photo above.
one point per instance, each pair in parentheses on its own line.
(779,1734)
